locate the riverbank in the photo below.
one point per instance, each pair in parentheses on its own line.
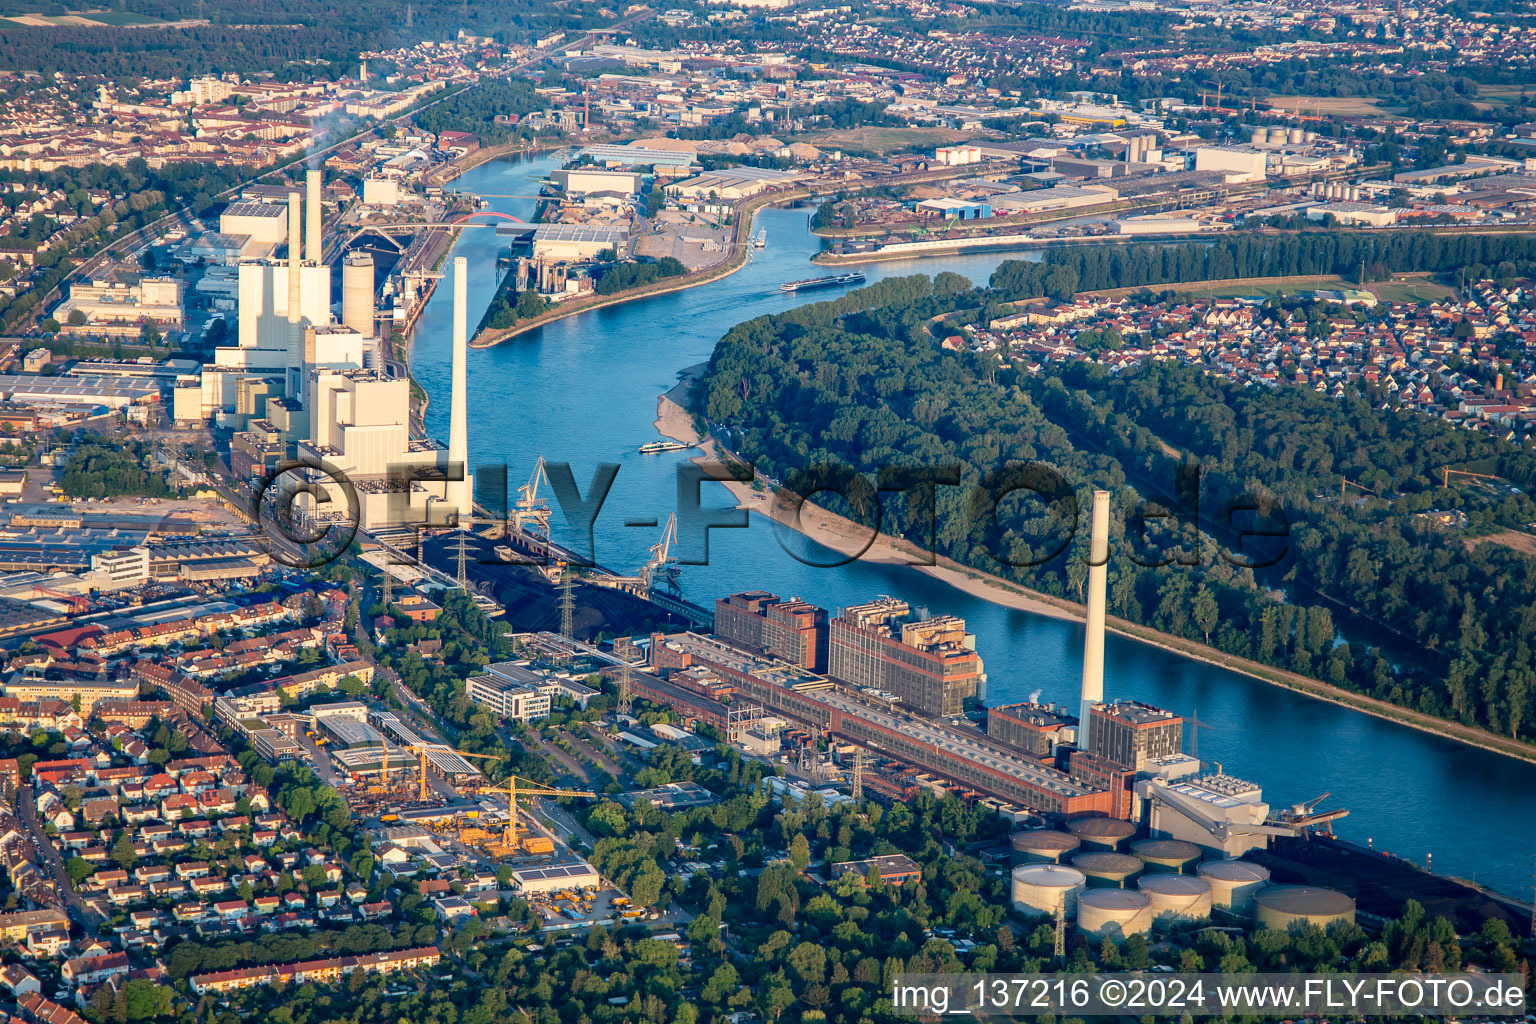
(850,539)
(741,229)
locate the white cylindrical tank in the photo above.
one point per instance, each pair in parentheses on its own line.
(1278,906)
(1295,136)
(1276,136)
(357,293)
(1234,883)
(1258,137)
(1039,889)
(1177,898)
(1113,913)
(1112,870)
(1310,137)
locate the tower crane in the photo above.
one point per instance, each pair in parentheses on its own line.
(662,571)
(1448,472)
(420,750)
(509,838)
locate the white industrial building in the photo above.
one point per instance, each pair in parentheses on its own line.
(575,242)
(266,223)
(556,877)
(1238,163)
(1368,214)
(156,299)
(580,180)
(381,192)
(508,698)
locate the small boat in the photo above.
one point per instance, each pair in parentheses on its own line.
(762,238)
(831,281)
(654,447)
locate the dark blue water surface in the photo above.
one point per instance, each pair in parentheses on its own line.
(584,390)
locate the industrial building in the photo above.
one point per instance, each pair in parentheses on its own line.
(1034,729)
(509,698)
(581,180)
(1237,163)
(554,878)
(930,665)
(794,631)
(107,303)
(264,224)
(1132,733)
(575,242)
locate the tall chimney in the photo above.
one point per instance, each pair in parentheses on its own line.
(312,242)
(1093,644)
(295,341)
(459,494)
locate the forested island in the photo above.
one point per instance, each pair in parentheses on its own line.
(861,383)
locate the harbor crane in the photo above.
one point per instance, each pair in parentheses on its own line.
(509,838)
(420,750)
(662,571)
(529,514)
(1306,819)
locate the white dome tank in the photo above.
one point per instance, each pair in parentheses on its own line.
(1234,883)
(1113,913)
(1038,889)
(1177,898)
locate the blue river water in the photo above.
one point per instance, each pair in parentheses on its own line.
(583,390)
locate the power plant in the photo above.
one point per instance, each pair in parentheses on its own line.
(301,385)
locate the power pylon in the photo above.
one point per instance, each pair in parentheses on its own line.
(626,697)
(389,586)
(1061,933)
(463,555)
(858,774)
(567,603)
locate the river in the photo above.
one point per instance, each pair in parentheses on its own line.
(583,390)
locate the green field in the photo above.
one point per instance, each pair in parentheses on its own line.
(85,19)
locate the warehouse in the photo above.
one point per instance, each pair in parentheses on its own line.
(580,180)
(85,391)
(575,242)
(580,875)
(954,209)
(263,223)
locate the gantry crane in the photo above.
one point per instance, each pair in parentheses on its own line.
(509,838)
(1448,472)
(529,514)
(661,572)
(420,750)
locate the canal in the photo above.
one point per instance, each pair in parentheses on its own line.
(584,390)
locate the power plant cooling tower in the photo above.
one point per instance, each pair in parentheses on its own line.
(1040,889)
(1113,914)
(357,293)
(1043,846)
(1234,883)
(1279,905)
(1177,898)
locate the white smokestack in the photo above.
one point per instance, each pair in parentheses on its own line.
(295,340)
(312,243)
(459,493)
(1093,645)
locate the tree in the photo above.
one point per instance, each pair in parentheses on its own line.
(122,853)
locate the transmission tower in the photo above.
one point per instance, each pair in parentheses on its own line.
(463,555)
(858,774)
(626,697)
(567,603)
(1061,933)
(389,585)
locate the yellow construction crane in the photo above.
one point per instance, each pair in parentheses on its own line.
(509,838)
(1447,473)
(421,755)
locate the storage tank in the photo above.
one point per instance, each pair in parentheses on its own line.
(1038,889)
(1276,136)
(1102,833)
(1113,914)
(1234,883)
(1169,856)
(1108,870)
(1177,899)
(1309,138)
(1278,905)
(1258,137)
(1043,846)
(1295,136)
(357,292)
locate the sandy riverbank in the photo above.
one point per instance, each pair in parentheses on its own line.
(842,535)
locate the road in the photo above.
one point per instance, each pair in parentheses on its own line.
(53,862)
